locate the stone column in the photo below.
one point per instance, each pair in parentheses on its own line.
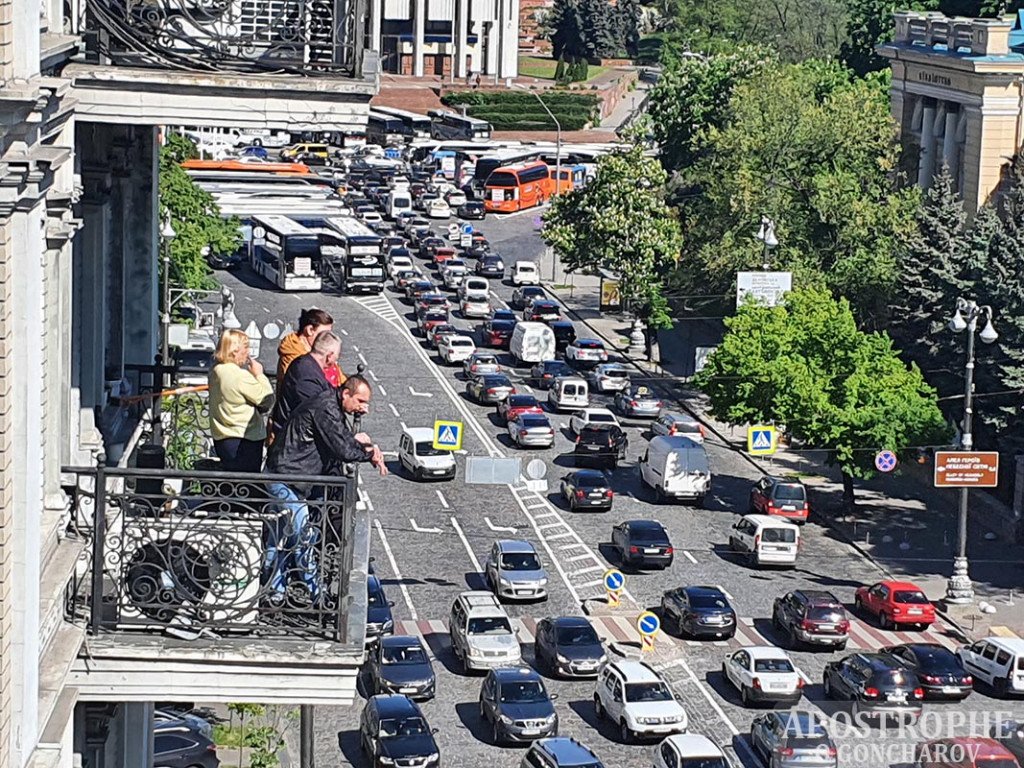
(972,194)
(418,25)
(376,14)
(141,264)
(491,32)
(130,738)
(460,37)
(926,163)
(950,147)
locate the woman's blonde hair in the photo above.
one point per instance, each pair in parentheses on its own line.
(231,341)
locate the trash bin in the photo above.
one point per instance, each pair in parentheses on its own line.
(150,457)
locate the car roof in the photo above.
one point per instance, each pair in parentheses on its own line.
(1014,645)
(591,473)
(400,641)
(694,745)
(636,671)
(644,525)
(770,520)
(419,433)
(514,674)
(566,750)
(704,590)
(878,660)
(902,585)
(515,545)
(394,704)
(818,596)
(765,651)
(780,479)
(570,621)
(589,342)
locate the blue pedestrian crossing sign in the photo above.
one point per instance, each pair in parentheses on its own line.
(614,581)
(648,624)
(448,435)
(762,440)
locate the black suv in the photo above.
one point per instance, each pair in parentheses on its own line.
(544,374)
(877,684)
(812,617)
(601,445)
(393,731)
(565,333)
(698,612)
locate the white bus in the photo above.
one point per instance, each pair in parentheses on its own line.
(449,125)
(285,253)
(416,126)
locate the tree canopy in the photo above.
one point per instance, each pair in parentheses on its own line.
(620,222)
(806,365)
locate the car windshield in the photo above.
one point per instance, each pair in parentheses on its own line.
(818,744)
(523,692)
(481,360)
(501,325)
(601,418)
(461,342)
(703,762)
(789,491)
(642,529)
(936,658)
(530,422)
(520,561)
(708,601)
(910,597)
(411,654)
(409,726)
(426,448)
(591,481)
(490,625)
(521,401)
(805,727)
(772,665)
(643,692)
(581,635)
(778,536)
(194,358)
(375,596)
(497,381)
(615,373)
(824,613)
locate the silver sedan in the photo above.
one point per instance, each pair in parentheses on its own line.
(531,430)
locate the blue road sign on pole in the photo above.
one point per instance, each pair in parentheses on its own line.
(648,624)
(614,581)
(885,461)
(467,229)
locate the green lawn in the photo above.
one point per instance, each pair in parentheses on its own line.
(543,67)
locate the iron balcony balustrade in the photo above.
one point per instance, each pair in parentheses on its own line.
(303,37)
(193,553)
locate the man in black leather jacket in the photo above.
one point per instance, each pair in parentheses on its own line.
(317,440)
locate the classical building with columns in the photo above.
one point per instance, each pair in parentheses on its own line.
(100,614)
(452,39)
(958,95)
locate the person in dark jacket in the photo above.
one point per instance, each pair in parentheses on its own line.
(317,440)
(306,378)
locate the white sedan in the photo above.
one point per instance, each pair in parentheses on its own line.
(587,416)
(438,209)
(763,673)
(586,351)
(456,348)
(476,306)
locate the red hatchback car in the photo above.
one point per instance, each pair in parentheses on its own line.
(894,603)
(516,405)
(781,497)
(964,752)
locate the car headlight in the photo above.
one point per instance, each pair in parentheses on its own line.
(603,659)
(551,718)
(385,760)
(505,719)
(562,659)
(389,625)
(543,582)
(474,653)
(504,582)
(648,720)
(672,719)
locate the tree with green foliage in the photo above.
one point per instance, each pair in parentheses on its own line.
(195,217)
(600,29)
(564,26)
(870,23)
(691,99)
(819,154)
(629,16)
(804,364)
(560,77)
(619,222)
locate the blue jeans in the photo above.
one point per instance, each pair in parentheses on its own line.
(291,545)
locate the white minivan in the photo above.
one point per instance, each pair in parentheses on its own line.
(569,393)
(525,273)
(676,467)
(419,457)
(532,343)
(765,540)
(399,202)
(998,661)
(474,288)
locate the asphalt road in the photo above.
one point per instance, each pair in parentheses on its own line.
(429,541)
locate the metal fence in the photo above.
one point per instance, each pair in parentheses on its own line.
(204,553)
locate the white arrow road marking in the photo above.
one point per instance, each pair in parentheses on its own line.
(422,530)
(394,567)
(442,499)
(496,528)
(414,393)
(394,410)
(465,543)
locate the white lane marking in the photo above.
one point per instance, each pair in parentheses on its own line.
(544,527)
(497,528)
(414,393)
(592,583)
(266,310)
(465,543)
(394,567)
(383,391)
(538,506)
(362,359)
(355,347)
(574,545)
(546,514)
(591,569)
(691,558)
(364,498)
(343,332)
(560,535)
(394,410)
(402,425)
(442,499)
(577,558)
(714,704)
(727,595)
(247,298)
(418,529)
(372,375)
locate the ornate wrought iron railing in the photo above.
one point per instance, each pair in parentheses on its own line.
(306,37)
(197,553)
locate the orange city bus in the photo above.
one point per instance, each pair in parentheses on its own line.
(516,187)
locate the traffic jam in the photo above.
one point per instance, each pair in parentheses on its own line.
(637,594)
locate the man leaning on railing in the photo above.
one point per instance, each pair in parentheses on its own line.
(317,440)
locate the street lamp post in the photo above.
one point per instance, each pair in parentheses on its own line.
(558,160)
(167,234)
(766,234)
(959,588)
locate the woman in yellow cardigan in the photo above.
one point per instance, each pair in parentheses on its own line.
(240,396)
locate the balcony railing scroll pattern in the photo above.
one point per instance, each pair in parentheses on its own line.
(306,37)
(194,554)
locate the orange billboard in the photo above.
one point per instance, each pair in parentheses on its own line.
(966,469)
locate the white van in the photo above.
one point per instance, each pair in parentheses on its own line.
(765,540)
(532,343)
(419,457)
(474,288)
(569,393)
(676,467)
(399,202)
(998,661)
